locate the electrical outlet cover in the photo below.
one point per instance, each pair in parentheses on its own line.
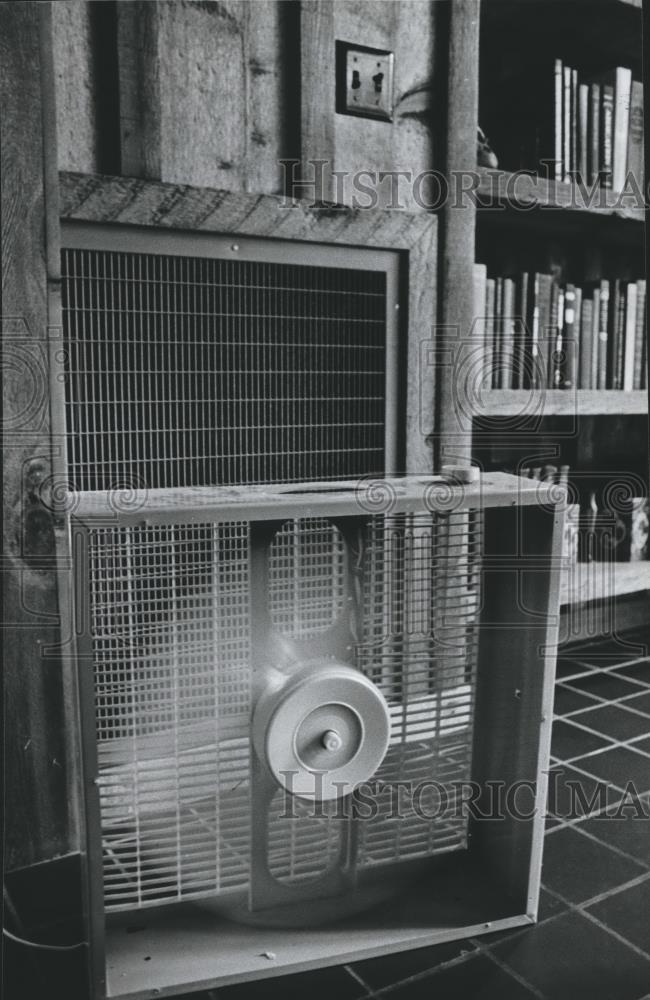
(365,82)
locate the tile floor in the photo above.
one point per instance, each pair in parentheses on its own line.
(593,935)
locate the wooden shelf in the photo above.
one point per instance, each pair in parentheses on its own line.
(560,402)
(498,189)
(585,582)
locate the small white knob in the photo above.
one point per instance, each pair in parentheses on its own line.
(331,740)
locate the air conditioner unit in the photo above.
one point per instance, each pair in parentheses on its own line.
(286,699)
(302,676)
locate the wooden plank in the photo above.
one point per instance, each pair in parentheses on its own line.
(138,44)
(523,191)
(317,76)
(38,823)
(457,249)
(549,403)
(597,581)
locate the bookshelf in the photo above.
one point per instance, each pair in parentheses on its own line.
(553,403)
(584,233)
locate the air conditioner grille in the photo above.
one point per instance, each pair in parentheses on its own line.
(190,371)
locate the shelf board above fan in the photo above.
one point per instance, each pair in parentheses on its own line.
(596,581)
(559,402)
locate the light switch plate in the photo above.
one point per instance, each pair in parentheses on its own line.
(364,81)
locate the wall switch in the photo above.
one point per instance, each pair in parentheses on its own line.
(364,81)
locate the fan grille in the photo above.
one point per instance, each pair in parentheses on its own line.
(170,614)
(191,371)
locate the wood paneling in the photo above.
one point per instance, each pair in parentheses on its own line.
(36,747)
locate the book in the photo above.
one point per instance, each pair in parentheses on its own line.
(639,334)
(606,134)
(507,355)
(566,371)
(522,332)
(496,332)
(583,132)
(488,349)
(622,94)
(619,338)
(478,331)
(635,159)
(613,334)
(535,377)
(595,329)
(574,124)
(558,350)
(629,337)
(603,313)
(593,128)
(541,353)
(586,344)
(566,123)
(557,120)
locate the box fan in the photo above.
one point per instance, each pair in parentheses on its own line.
(295,667)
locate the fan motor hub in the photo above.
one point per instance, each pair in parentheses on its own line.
(321,730)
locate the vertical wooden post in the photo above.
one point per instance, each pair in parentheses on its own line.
(458,245)
(138,29)
(38,743)
(317,74)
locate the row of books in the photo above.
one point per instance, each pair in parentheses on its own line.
(594,530)
(538,334)
(598,127)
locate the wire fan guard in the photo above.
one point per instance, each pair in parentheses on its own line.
(174,641)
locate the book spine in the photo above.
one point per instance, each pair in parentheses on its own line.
(558,171)
(629,338)
(574,124)
(619,338)
(488,347)
(508,335)
(549,329)
(478,331)
(595,329)
(593,127)
(497,332)
(602,334)
(622,94)
(583,111)
(566,123)
(606,134)
(586,344)
(558,356)
(635,164)
(639,333)
(612,333)
(567,368)
(536,376)
(521,331)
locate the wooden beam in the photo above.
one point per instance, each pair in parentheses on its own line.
(40,823)
(317,74)
(138,35)
(457,249)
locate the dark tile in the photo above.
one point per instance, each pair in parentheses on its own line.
(569,701)
(643,745)
(569,741)
(549,906)
(567,667)
(479,978)
(389,969)
(627,913)
(614,721)
(637,671)
(579,868)
(628,830)
(640,704)
(571,958)
(319,985)
(604,685)
(620,767)
(572,795)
